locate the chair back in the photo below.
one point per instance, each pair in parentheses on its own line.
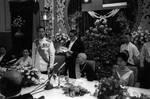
(135,71)
(59,59)
(92,64)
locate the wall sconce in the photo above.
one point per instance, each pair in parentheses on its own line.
(86,1)
(45,17)
(45,14)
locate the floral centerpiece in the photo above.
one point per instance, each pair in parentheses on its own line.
(140,36)
(73,91)
(60,40)
(107,87)
(31,77)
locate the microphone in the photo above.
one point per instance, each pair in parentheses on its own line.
(49,85)
(11,61)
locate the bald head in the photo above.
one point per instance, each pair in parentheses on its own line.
(10,84)
(83,55)
(81,58)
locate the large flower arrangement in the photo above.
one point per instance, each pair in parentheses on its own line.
(102,45)
(140,36)
(74,91)
(103,40)
(107,87)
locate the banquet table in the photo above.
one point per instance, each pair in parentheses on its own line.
(57,93)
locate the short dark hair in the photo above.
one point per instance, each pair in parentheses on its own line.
(123,56)
(40,27)
(73,31)
(9,85)
(3,46)
(129,34)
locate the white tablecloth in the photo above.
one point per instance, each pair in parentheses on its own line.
(57,93)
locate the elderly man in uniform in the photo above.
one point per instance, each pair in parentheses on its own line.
(84,67)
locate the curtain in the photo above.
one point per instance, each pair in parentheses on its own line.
(5,18)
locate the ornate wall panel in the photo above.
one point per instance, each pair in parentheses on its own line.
(49,24)
(61,13)
(57,16)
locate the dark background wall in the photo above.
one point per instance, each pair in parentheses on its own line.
(25,10)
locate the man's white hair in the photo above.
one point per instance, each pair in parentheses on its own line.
(83,55)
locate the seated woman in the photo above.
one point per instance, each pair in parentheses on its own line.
(122,72)
(24,61)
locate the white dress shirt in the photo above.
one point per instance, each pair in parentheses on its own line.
(71,43)
(132,50)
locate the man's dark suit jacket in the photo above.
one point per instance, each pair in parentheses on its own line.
(88,70)
(78,47)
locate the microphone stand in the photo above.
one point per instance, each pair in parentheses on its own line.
(49,85)
(58,72)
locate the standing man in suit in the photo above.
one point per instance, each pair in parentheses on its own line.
(75,46)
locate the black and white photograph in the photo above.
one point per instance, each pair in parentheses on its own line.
(74,49)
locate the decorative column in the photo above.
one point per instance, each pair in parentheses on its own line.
(57,16)
(49,5)
(61,16)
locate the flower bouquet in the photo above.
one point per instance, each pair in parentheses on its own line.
(60,40)
(140,36)
(107,87)
(74,91)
